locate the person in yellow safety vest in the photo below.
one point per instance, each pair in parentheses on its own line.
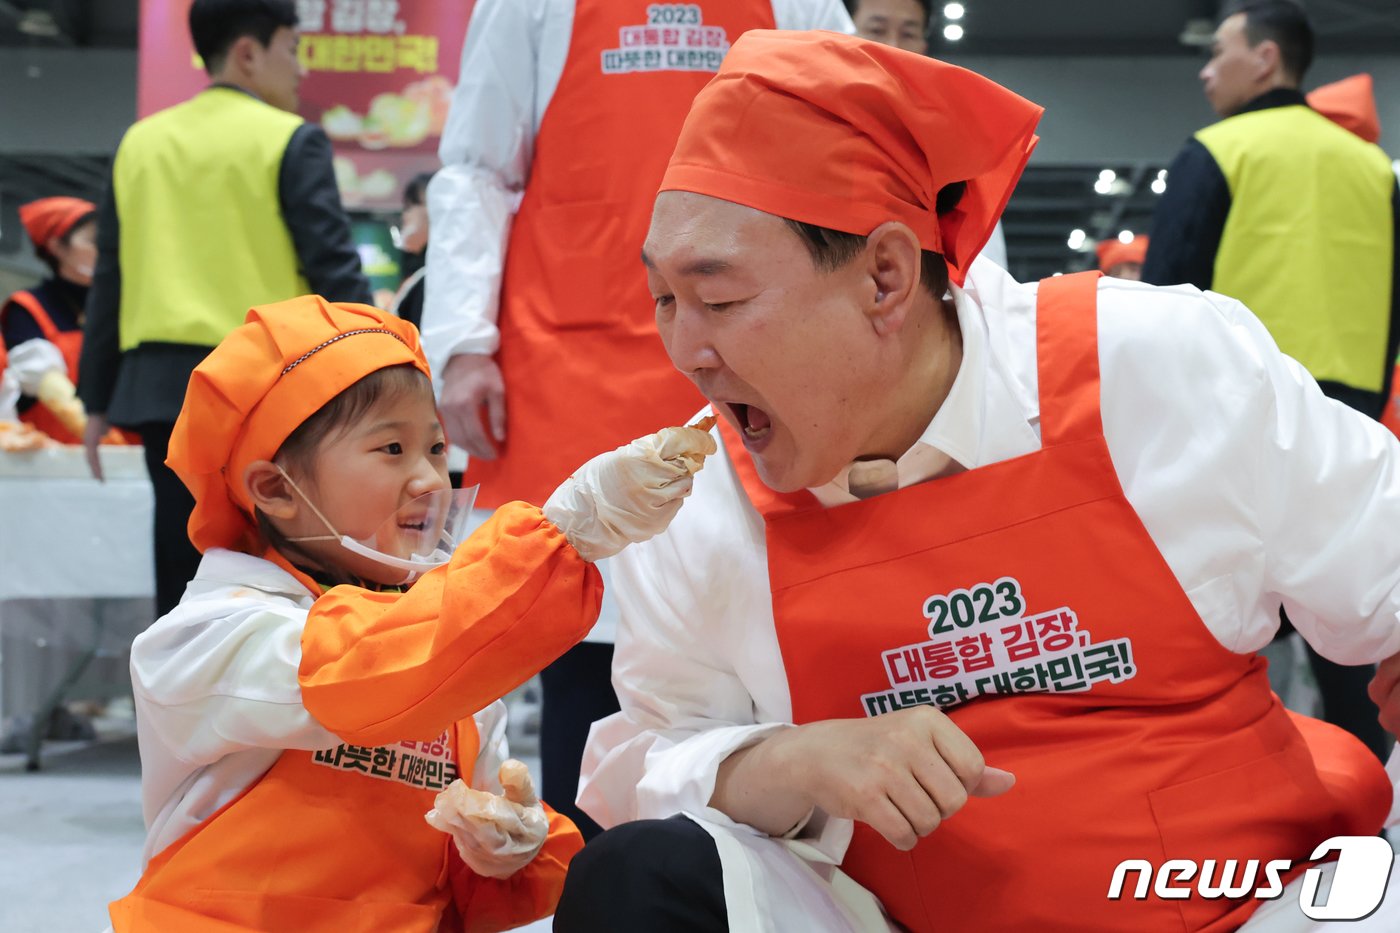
(1351,104)
(218,204)
(1281,208)
(334,673)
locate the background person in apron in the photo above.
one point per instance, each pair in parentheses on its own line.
(970,605)
(535,316)
(43,325)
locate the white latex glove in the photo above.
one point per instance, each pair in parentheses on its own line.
(34,359)
(58,394)
(495,835)
(629,494)
(9,396)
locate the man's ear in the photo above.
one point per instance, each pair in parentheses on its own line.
(269,490)
(894,261)
(1269,59)
(243,55)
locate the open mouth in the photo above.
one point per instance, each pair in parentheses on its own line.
(416,524)
(754,421)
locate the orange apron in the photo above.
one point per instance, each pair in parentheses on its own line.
(584,368)
(1133,732)
(325,841)
(70,344)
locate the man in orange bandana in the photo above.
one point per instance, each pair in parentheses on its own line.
(967,611)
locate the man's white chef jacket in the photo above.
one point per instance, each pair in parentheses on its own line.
(1255,487)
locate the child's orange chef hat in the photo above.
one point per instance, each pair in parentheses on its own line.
(258,385)
(845,133)
(1350,103)
(47,218)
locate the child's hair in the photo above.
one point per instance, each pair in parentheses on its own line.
(299,449)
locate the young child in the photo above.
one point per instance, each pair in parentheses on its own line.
(303,709)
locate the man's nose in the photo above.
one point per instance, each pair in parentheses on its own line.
(688,342)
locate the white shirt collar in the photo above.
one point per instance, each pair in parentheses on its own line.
(988,416)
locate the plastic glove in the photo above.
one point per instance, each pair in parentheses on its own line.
(495,835)
(629,494)
(34,359)
(57,394)
(9,396)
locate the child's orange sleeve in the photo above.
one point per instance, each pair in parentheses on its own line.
(377,667)
(490,904)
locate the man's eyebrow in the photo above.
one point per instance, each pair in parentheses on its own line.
(696,266)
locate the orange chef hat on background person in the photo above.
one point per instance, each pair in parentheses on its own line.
(1113,252)
(845,133)
(258,386)
(47,218)
(1351,104)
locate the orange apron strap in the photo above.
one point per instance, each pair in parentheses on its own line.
(69,343)
(1067,358)
(28,302)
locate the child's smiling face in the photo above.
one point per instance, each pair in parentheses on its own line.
(362,475)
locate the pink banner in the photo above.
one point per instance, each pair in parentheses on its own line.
(379,79)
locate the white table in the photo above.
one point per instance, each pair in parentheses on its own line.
(76,577)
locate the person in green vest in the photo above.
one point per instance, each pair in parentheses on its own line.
(1278,206)
(217,204)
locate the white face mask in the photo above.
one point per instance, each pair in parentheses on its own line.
(429,528)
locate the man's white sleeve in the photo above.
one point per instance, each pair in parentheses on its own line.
(486,150)
(684,709)
(1329,506)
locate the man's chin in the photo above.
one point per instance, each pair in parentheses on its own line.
(786,477)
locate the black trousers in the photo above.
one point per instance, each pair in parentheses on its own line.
(651,875)
(176,559)
(1345,702)
(577,693)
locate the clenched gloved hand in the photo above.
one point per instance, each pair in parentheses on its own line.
(629,494)
(495,835)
